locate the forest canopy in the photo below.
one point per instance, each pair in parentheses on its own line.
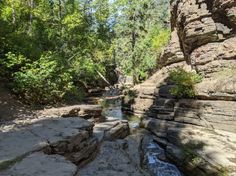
(52,50)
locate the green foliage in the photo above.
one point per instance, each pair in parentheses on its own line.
(151,47)
(77,31)
(130,96)
(88,36)
(223,171)
(7,164)
(185,82)
(141,33)
(160,39)
(12,63)
(43,81)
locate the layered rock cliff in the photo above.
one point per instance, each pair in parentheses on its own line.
(198,134)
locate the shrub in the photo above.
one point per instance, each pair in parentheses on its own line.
(130,96)
(185,83)
(161,40)
(12,63)
(43,81)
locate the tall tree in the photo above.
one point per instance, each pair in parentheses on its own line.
(137,24)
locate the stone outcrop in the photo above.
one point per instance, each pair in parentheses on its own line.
(111,130)
(54,146)
(214,57)
(198,134)
(172,53)
(220,85)
(83,111)
(201,152)
(39,135)
(53,136)
(112,160)
(136,155)
(42,165)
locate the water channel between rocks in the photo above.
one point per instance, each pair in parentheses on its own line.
(152,151)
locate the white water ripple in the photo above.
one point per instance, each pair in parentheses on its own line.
(155,165)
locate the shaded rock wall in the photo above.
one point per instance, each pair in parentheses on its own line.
(203,40)
(198,134)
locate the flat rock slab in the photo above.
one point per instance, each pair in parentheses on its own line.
(112,160)
(87,111)
(39,164)
(212,152)
(34,137)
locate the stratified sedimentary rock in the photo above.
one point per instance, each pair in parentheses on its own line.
(199,133)
(54,146)
(135,155)
(83,111)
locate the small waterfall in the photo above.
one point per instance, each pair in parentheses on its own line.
(153,153)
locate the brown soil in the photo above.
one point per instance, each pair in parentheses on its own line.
(11,108)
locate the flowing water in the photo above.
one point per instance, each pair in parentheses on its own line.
(156,166)
(152,152)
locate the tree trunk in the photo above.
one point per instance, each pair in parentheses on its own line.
(60,9)
(31,5)
(64,4)
(133,41)
(13,13)
(134,57)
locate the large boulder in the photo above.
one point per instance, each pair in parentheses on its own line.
(111,130)
(70,137)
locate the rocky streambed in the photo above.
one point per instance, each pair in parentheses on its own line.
(136,154)
(61,145)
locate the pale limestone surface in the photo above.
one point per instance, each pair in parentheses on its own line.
(34,137)
(39,164)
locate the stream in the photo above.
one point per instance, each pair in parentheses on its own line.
(152,152)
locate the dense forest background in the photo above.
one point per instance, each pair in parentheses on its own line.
(52,50)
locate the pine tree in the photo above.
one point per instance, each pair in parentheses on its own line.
(137,24)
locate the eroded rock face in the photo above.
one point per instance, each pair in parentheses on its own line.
(195,149)
(112,160)
(202,22)
(214,57)
(30,138)
(172,53)
(71,138)
(111,130)
(201,152)
(206,32)
(220,86)
(203,40)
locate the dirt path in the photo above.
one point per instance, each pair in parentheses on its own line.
(11,108)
